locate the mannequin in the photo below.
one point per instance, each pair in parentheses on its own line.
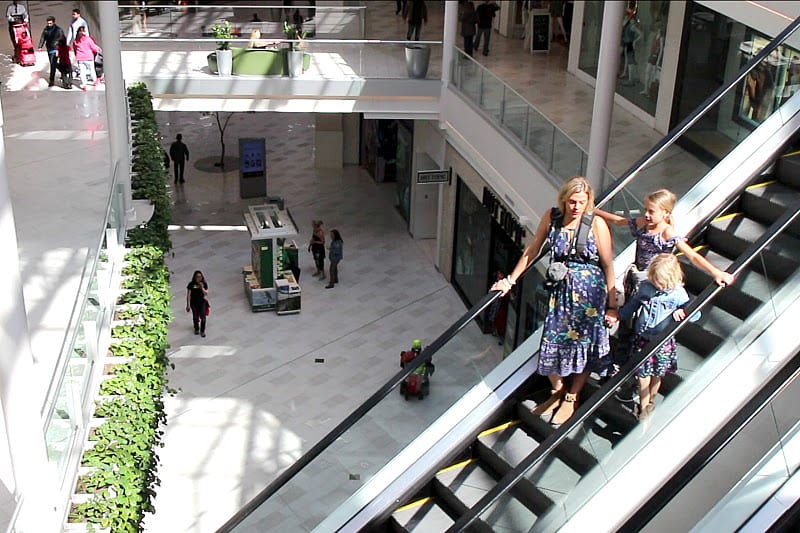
(631,35)
(653,62)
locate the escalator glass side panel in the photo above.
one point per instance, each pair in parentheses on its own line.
(388,428)
(613,434)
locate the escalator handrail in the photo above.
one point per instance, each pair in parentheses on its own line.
(425,356)
(427,353)
(729,431)
(582,414)
(699,112)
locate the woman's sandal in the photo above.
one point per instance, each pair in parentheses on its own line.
(641,414)
(550,404)
(566,409)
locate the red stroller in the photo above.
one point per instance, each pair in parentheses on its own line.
(24,53)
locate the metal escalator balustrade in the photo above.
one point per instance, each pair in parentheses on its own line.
(386,427)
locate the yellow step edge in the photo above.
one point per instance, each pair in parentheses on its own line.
(501,427)
(696,249)
(411,505)
(455,466)
(758,185)
(791,154)
(727,217)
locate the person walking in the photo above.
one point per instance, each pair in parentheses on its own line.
(468,21)
(335,255)
(416,12)
(64,62)
(14,13)
(197,302)
(485,14)
(85,50)
(179,154)
(77,22)
(51,36)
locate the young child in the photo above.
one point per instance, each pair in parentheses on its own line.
(654,234)
(660,300)
(64,63)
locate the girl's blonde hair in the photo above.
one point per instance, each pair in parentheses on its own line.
(575,185)
(663,199)
(665,272)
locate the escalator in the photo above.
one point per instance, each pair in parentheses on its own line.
(515,433)
(486,463)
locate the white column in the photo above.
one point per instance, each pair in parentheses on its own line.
(33,484)
(116,110)
(607,65)
(448,40)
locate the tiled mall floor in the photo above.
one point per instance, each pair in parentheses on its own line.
(252,396)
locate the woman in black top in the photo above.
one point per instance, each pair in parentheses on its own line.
(317,248)
(196,294)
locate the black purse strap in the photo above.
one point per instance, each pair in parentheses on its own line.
(579,238)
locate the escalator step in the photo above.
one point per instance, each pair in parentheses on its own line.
(570,451)
(422,515)
(787,169)
(732,234)
(767,201)
(463,485)
(504,450)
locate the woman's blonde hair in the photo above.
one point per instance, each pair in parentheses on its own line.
(665,272)
(663,199)
(575,185)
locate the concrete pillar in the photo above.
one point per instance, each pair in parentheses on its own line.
(328,141)
(34,483)
(607,66)
(449,40)
(116,110)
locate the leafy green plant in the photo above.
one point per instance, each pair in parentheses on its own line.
(224,30)
(293,32)
(123,455)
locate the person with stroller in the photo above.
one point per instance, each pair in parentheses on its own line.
(15,13)
(51,36)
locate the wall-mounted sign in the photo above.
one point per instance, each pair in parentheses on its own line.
(427,177)
(504,217)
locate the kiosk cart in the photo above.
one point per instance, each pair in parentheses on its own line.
(268,281)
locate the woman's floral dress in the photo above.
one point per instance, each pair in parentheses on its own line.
(575,338)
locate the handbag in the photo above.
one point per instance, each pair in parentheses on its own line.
(208,308)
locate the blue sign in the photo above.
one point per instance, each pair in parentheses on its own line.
(252,157)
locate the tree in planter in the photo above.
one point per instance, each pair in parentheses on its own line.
(295,33)
(223,31)
(222,126)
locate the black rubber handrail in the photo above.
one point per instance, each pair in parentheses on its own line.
(428,352)
(425,356)
(729,431)
(585,411)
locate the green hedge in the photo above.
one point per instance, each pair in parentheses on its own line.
(124,452)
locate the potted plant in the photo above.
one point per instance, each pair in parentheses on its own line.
(295,54)
(224,52)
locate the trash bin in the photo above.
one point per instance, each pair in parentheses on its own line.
(418,56)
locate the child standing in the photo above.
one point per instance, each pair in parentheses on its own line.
(659,299)
(64,63)
(655,234)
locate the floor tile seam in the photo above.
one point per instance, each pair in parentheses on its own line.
(227,393)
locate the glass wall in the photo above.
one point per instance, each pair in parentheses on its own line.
(473,232)
(714,48)
(641,49)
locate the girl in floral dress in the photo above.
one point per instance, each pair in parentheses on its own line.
(660,299)
(574,339)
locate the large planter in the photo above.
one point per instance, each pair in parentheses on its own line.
(294,59)
(224,62)
(418,56)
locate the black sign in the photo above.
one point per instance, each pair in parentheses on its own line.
(541,32)
(503,217)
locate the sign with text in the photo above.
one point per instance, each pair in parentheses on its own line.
(504,217)
(427,177)
(541,32)
(252,153)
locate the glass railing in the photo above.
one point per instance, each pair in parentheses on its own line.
(169,20)
(609,440)
(69,396)
(561,155)
(344,59)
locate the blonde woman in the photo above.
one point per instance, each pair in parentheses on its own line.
(660,300)
(575,337)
